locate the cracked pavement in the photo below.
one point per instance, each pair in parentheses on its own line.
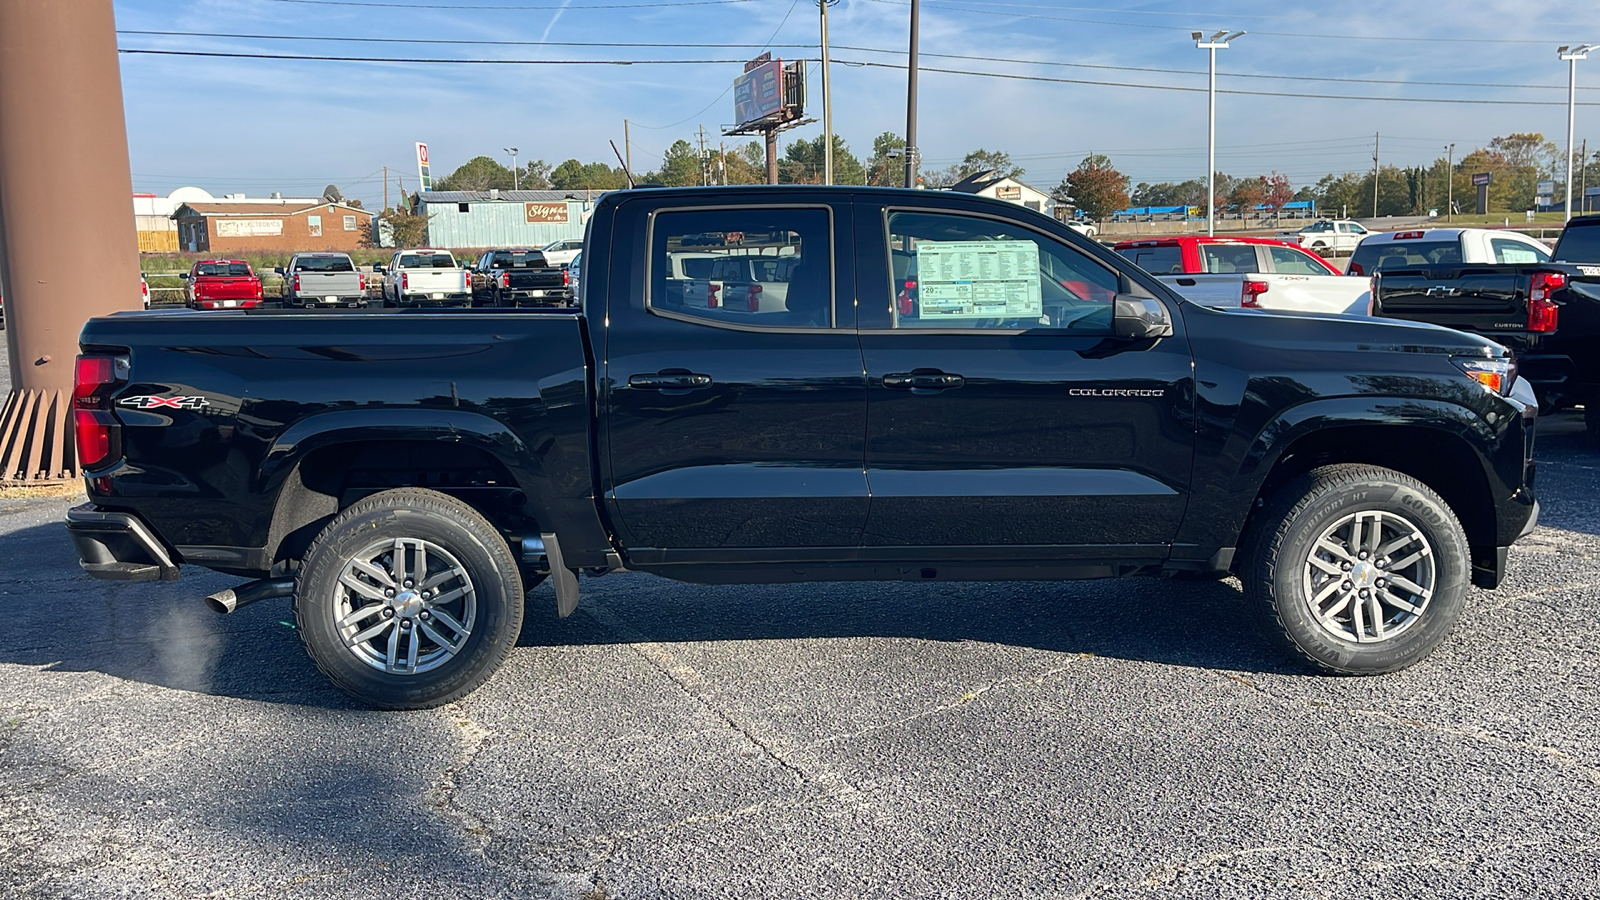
(1115,739)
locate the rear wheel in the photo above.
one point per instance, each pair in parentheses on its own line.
(1359,569)
(409,599)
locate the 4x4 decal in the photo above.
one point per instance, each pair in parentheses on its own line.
(148,402)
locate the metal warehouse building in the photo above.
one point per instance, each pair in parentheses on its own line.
(478,219)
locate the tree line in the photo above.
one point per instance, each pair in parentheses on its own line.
(1515,162)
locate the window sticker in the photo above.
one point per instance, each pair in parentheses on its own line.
(978,280)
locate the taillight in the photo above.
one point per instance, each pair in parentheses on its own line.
(754,299)
(907,305)
(258,288)
(297,284)
(712,300)
(1250,294)
(95,431)
(1354,269)
(566,277)
(505,280)
(362,278)
(1542,309)
(405,281)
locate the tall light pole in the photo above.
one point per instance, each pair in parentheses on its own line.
(1449,181)
(516,175)
(827,99)
(1572,55)
(911,103)
(1217,41)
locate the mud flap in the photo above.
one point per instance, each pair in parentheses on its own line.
(563,579)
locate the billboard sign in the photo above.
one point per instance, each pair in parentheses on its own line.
(543,213)
(758,93)
(1479,179)
(1545,187)
(423,178)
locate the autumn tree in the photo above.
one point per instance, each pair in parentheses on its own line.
(1276,192)
(401,226)
(1095,187)
(1247,194)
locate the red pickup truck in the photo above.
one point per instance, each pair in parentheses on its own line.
(222,284)
(1191,254)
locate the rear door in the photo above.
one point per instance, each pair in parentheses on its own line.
(731,431)
(1002,411)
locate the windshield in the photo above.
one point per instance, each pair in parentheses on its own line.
(1579,245)
(323,264)
(427,261)
(222,269)
(516,259)
(1155,260)
(1372,255)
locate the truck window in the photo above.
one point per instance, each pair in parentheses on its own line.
(747,266)
(1372,255)
(517,259)
(217,270)
(1156,260)
(1579,245)
(1289,261)
(955,271)
(1512,252)
(1227,258)
(323,264)
(427,261)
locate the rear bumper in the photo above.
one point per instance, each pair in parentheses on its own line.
(117,546)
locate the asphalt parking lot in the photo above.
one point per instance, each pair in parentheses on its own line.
(1091,739)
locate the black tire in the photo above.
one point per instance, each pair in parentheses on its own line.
(492,584)
(1279,575)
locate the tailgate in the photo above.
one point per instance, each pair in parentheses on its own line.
(318,283)
(225,288)
(1484,299)
(547,278)
(1214,290)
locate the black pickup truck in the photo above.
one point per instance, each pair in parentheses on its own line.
(1546,312)
(519,278)
(939,387)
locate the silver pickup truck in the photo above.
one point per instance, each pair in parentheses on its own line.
(322,279)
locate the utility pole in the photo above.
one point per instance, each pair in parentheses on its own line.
(1374,174)
(1583,177)
(1450,182)
(705,172)
(827,99)
(516,174)
(1571,55)
(911,102)
(722,162)
(627,148)
(385,187)
(1217,41)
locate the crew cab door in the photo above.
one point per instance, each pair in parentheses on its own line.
(1001,408)
(740,424)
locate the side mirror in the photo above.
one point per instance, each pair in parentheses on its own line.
(184,275)
(278,269)
(377,270)
(1139,318)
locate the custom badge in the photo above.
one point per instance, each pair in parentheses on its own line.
(163,402)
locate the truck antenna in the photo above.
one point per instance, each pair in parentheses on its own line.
(624,164)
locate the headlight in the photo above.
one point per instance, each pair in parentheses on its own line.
(1495,374)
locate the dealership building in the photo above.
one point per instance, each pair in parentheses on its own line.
(461,220)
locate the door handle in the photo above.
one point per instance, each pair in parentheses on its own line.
(922,381)
(675,381)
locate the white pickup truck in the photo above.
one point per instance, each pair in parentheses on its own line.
(1446,246)
(561,253)
(1277,291)
(426,278)
(1328,237)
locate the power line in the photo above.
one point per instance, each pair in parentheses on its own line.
(718,99)
(424,59)
(373,3)
(895,51)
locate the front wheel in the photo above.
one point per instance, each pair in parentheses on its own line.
(1359,569)
(409,599)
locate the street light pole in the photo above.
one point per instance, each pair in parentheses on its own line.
(1217,41)
(911,103)
(827,99)
(516,175)
(1571,55)
(1449,181)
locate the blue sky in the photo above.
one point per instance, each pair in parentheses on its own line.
(258,125)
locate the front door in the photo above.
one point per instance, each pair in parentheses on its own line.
(734,398)
(1001,408)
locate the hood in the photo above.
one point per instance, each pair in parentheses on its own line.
(1315,332)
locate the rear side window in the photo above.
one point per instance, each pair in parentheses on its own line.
(1516,252)
(1289,261)
(1155,260)
(966,272)
(770,266)
(1579,245)
(1225,258)
(323,264)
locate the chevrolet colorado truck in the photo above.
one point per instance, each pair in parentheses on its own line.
(1253,273)
(323,280)
(1503,286)
(221,284)
(1033,407)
